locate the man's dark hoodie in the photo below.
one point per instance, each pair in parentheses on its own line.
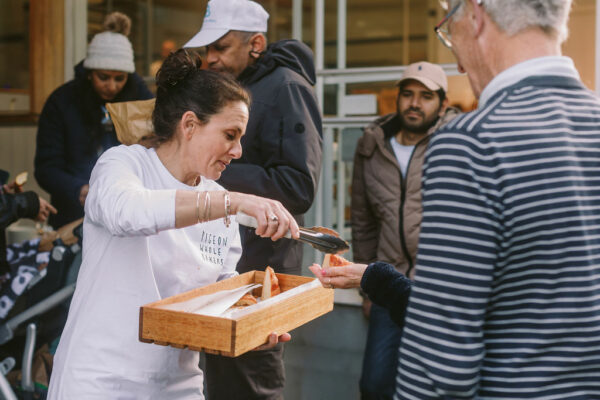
(70,138)
(282,151)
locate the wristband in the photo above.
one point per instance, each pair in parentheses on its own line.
(198,206)
(206,206)
(227,204)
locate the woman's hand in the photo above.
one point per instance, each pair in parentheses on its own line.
(346,277)
(45,210)
(9,188)
(273,340)
(273,219)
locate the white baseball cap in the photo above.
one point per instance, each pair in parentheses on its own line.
(223,16)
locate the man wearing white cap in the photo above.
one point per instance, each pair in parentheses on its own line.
(281,160)
(386,204)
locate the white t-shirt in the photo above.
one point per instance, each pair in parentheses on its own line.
(132,255)
(402,153)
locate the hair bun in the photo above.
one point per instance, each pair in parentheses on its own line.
(177,67)
(117,22)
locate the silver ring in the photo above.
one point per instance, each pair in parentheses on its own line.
(273,218)
(329,283)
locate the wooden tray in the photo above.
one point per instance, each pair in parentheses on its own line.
(232,337)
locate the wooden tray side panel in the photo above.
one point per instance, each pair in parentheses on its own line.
(180,329)
(254,329)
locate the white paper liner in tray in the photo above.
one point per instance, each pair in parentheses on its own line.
(240,312)
(219,304)
(211,304)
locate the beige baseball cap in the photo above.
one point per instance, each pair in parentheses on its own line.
(431,75)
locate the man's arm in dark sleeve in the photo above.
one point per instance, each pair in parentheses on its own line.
(16,206)
(443,342)
(387,288)
(291,141)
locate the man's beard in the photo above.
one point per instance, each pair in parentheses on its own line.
(420,127)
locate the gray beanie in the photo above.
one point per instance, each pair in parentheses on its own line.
(111,50)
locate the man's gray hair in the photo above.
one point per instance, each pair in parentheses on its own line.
(514,16)
(245,36)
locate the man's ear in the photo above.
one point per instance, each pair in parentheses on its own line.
(258,44)
(443,107)
(477,17)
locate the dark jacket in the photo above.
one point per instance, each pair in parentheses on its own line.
(281,156)
(387,288)
(12,208)
(386,208)
(71,137)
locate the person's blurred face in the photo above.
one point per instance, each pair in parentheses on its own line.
(419,108)
(167,47)
(229,54)
(108,84)
(216,143)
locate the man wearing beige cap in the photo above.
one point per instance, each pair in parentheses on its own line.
(386,204)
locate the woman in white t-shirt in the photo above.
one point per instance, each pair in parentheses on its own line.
(157,224)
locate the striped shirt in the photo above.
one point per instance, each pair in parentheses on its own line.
(506,300)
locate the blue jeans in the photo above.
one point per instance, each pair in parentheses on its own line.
(380,362)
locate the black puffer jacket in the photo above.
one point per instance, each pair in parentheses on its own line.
(70,134)
(281,149)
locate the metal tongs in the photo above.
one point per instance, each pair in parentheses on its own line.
(322,239)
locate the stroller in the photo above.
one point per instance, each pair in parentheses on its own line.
(33,308)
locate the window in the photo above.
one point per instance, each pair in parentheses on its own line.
(152,22)
(14,56)
(14,44)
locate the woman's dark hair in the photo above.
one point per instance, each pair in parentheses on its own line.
(182,86)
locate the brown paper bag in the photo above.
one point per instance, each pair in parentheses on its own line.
(133,121)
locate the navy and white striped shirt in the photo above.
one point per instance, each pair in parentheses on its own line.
(506,300)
